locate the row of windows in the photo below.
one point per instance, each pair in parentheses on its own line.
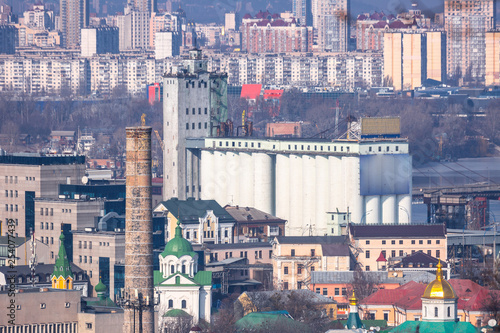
(13,179)
(84,258)
(194,111)
(300,267)
(85,244)
(380,148)
(401,253)
(199,84)
(243,254)
(171,304)
(13,208)
(292,253)
(337,291)
(12,193)
(46,226)
(193,126)
(401,242)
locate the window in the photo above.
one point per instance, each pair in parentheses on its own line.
(331,313)
(90,244)
(449,311)
(421,242)
(52,212)
(170,303)
(367,242)
(429,241)
(429,252)
(225,233)
(438,241)
(393,253)
(84,259)
(367,254)
(6,193)
(41,225)
(393,242)
(90,259)
(401,253)
(41,211)
(79,244)
(187,109)
(312,269)
(187,126)
(344,291)
(199,110)
(80,259)
(438,253)
(285,285)
(325,291)
(413,242)
(367,268)
(183,304)
(194,110)
(400,242)
(386,316)
(51,240)
(337,291)
(199,125)
(285,269)
(42,306)
(299,269)
(206,111)
(313,252)
(383,242)
(436,312)
(292,253)
(51,226)
(318,290)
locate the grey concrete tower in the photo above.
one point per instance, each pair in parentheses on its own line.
(138,233)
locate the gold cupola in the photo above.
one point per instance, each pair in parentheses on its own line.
(439,288)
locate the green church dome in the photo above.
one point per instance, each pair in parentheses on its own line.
(100,287)
(178,246)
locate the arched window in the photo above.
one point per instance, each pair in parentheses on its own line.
(435,311)
(170,303)
(183,304)
(449,311)
(172,269)
(183,269)
(177,280)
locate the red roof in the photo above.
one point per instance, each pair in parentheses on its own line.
(251,91)
(381,257)
(273,94)
(397,25)
(380,24)
(247,16)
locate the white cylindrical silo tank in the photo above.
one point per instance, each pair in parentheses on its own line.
(221,179)
(322,193)
(336,199)
(282,186)
(263,189)
(354,200)
(233,172)
(404,211)
(247,179)
(309,193)
(389,214)
(295,226)
(207,175)
(372,210)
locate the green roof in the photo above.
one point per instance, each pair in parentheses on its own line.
(255,320)
(62,266)
(190,210)
(178,246)
(353,321)
(104,302)
(435,327)
(176,313)
(202,278)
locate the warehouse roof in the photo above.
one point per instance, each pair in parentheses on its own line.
(191,210)
(398,230)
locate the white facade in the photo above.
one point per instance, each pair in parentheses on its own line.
(88,46)
(302,181)
(167,44)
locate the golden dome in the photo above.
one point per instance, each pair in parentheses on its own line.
(439,288)
(353,300)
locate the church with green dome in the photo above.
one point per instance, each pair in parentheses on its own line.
(181,286)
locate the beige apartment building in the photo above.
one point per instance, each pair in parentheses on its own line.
(51,214)
(294,258)
(97,253)
(412,57)
(492,71)
(466,23)
(377,246)
(26,176)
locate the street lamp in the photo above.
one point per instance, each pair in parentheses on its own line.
(364,216)
(407,213)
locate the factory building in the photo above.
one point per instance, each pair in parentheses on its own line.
(310,183)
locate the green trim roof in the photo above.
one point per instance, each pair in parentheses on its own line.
(105,302)
(176,313)
(353,321)
(190,210)
(435,327)
(178,246)
(255,320)
(202,278)
(62,266)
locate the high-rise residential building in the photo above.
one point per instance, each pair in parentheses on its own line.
(167,44)
(272,34)
(466,23)
(412,57)
(99,40)
(231,21)
(133,29)
(492,61)
(194,102)
(302,11)
(143,5)
(331,20)
(74,16)
(8,37)
(38,17)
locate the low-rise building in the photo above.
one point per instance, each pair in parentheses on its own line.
(394,242)
(295,258)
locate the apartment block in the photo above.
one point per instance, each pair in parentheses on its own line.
(8,37)
(26,176)
(466,24)
(295,258)
(492,58)
(331,20)
(52,214)
(375,246)
(74,15)
(99,40)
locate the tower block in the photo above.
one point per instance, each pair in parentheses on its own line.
(138,233)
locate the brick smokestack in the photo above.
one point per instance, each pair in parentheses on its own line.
(139,233)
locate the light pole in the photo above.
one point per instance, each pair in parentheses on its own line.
(364,216)
(407,213)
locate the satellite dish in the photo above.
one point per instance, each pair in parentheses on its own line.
(85,180)
(492,322)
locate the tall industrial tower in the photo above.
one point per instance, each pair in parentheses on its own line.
(194,103)
(139,301)
(74,16)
